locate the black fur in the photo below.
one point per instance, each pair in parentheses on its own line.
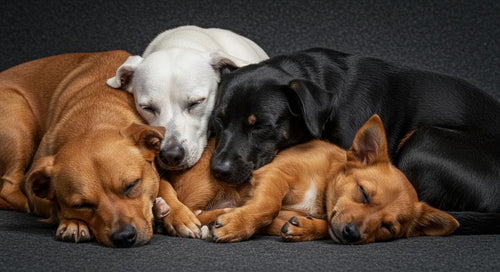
(452,158)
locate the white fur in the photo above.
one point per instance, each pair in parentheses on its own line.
(308,204)
(178,67)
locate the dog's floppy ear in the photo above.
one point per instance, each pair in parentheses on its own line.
(147,138)
(124,74)
(431,222)
(312,102)
(37,181)
(370,143)
(220,60)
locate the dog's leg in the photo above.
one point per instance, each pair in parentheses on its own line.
(17,145)
(295,226)
(181,221)
(270,187)
(73,231)
(208,217)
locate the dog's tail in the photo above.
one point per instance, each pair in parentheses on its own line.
(472,223)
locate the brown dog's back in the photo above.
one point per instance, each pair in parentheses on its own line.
(33,95)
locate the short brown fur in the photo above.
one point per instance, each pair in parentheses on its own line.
(312,191)
(88,159)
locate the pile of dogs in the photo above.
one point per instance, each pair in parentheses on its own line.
(206,137)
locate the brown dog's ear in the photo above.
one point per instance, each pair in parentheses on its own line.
(432,222)
(147,138)
(312,102)
(370,143)
(124,74)
(220,60)
(37,180)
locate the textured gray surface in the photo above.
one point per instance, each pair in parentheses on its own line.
(459,38)
(30,245)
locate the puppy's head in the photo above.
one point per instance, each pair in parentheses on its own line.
(107,180)
(175,88)
(259,111)
(373,201)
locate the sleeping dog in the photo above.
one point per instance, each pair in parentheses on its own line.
(315,190)
(443,133)
(75,151)
(175,81)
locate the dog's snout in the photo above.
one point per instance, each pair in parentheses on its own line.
(173,155)
(124,237)
(222,170)
(350,233)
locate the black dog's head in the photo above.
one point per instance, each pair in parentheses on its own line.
(260,110)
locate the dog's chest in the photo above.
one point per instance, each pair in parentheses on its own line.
(307,200)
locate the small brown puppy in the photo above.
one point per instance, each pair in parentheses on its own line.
(89,162)
(314,190)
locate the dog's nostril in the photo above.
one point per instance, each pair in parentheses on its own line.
(222,170)
(350,233)
(173,155)
(124,237)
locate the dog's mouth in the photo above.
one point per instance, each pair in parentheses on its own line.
(333,235)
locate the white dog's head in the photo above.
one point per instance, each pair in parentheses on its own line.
(175,88)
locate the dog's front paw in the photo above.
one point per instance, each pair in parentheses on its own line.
(75,231)
(232,227)
(182,222)
(160,208)
(304,228)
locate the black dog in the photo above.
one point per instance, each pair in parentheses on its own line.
(443,133)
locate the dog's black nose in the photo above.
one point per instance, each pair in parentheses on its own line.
(222,170)
(172,155)
(124,237)
(350,233)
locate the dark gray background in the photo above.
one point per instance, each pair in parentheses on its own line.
(459,38)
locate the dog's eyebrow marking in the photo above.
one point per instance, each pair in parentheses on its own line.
(223,112)
(251,119)
(285,135)
(294,85)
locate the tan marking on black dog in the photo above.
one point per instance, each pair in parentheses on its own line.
(251,119)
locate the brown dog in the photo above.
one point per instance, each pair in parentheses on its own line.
(88,159)
(314,190)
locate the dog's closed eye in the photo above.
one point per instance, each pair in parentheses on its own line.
(84,206)
(364,196)
(130,187)
(192,104)
(148,109)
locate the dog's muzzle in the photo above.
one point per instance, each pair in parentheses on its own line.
(172,156)
(124,237)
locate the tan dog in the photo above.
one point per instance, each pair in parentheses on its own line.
(314,190)
(89,162)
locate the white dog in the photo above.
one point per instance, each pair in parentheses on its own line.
(175,81)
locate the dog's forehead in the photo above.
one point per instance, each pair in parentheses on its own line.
(88,160)
(257,99)
(171,83)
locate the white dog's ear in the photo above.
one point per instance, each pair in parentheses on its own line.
(124,74)
(220,60)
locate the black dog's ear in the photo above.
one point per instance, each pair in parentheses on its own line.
(312,102)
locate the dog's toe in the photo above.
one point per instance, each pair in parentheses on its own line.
(73,231)
(284,229)
(206,234)
(294,221)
